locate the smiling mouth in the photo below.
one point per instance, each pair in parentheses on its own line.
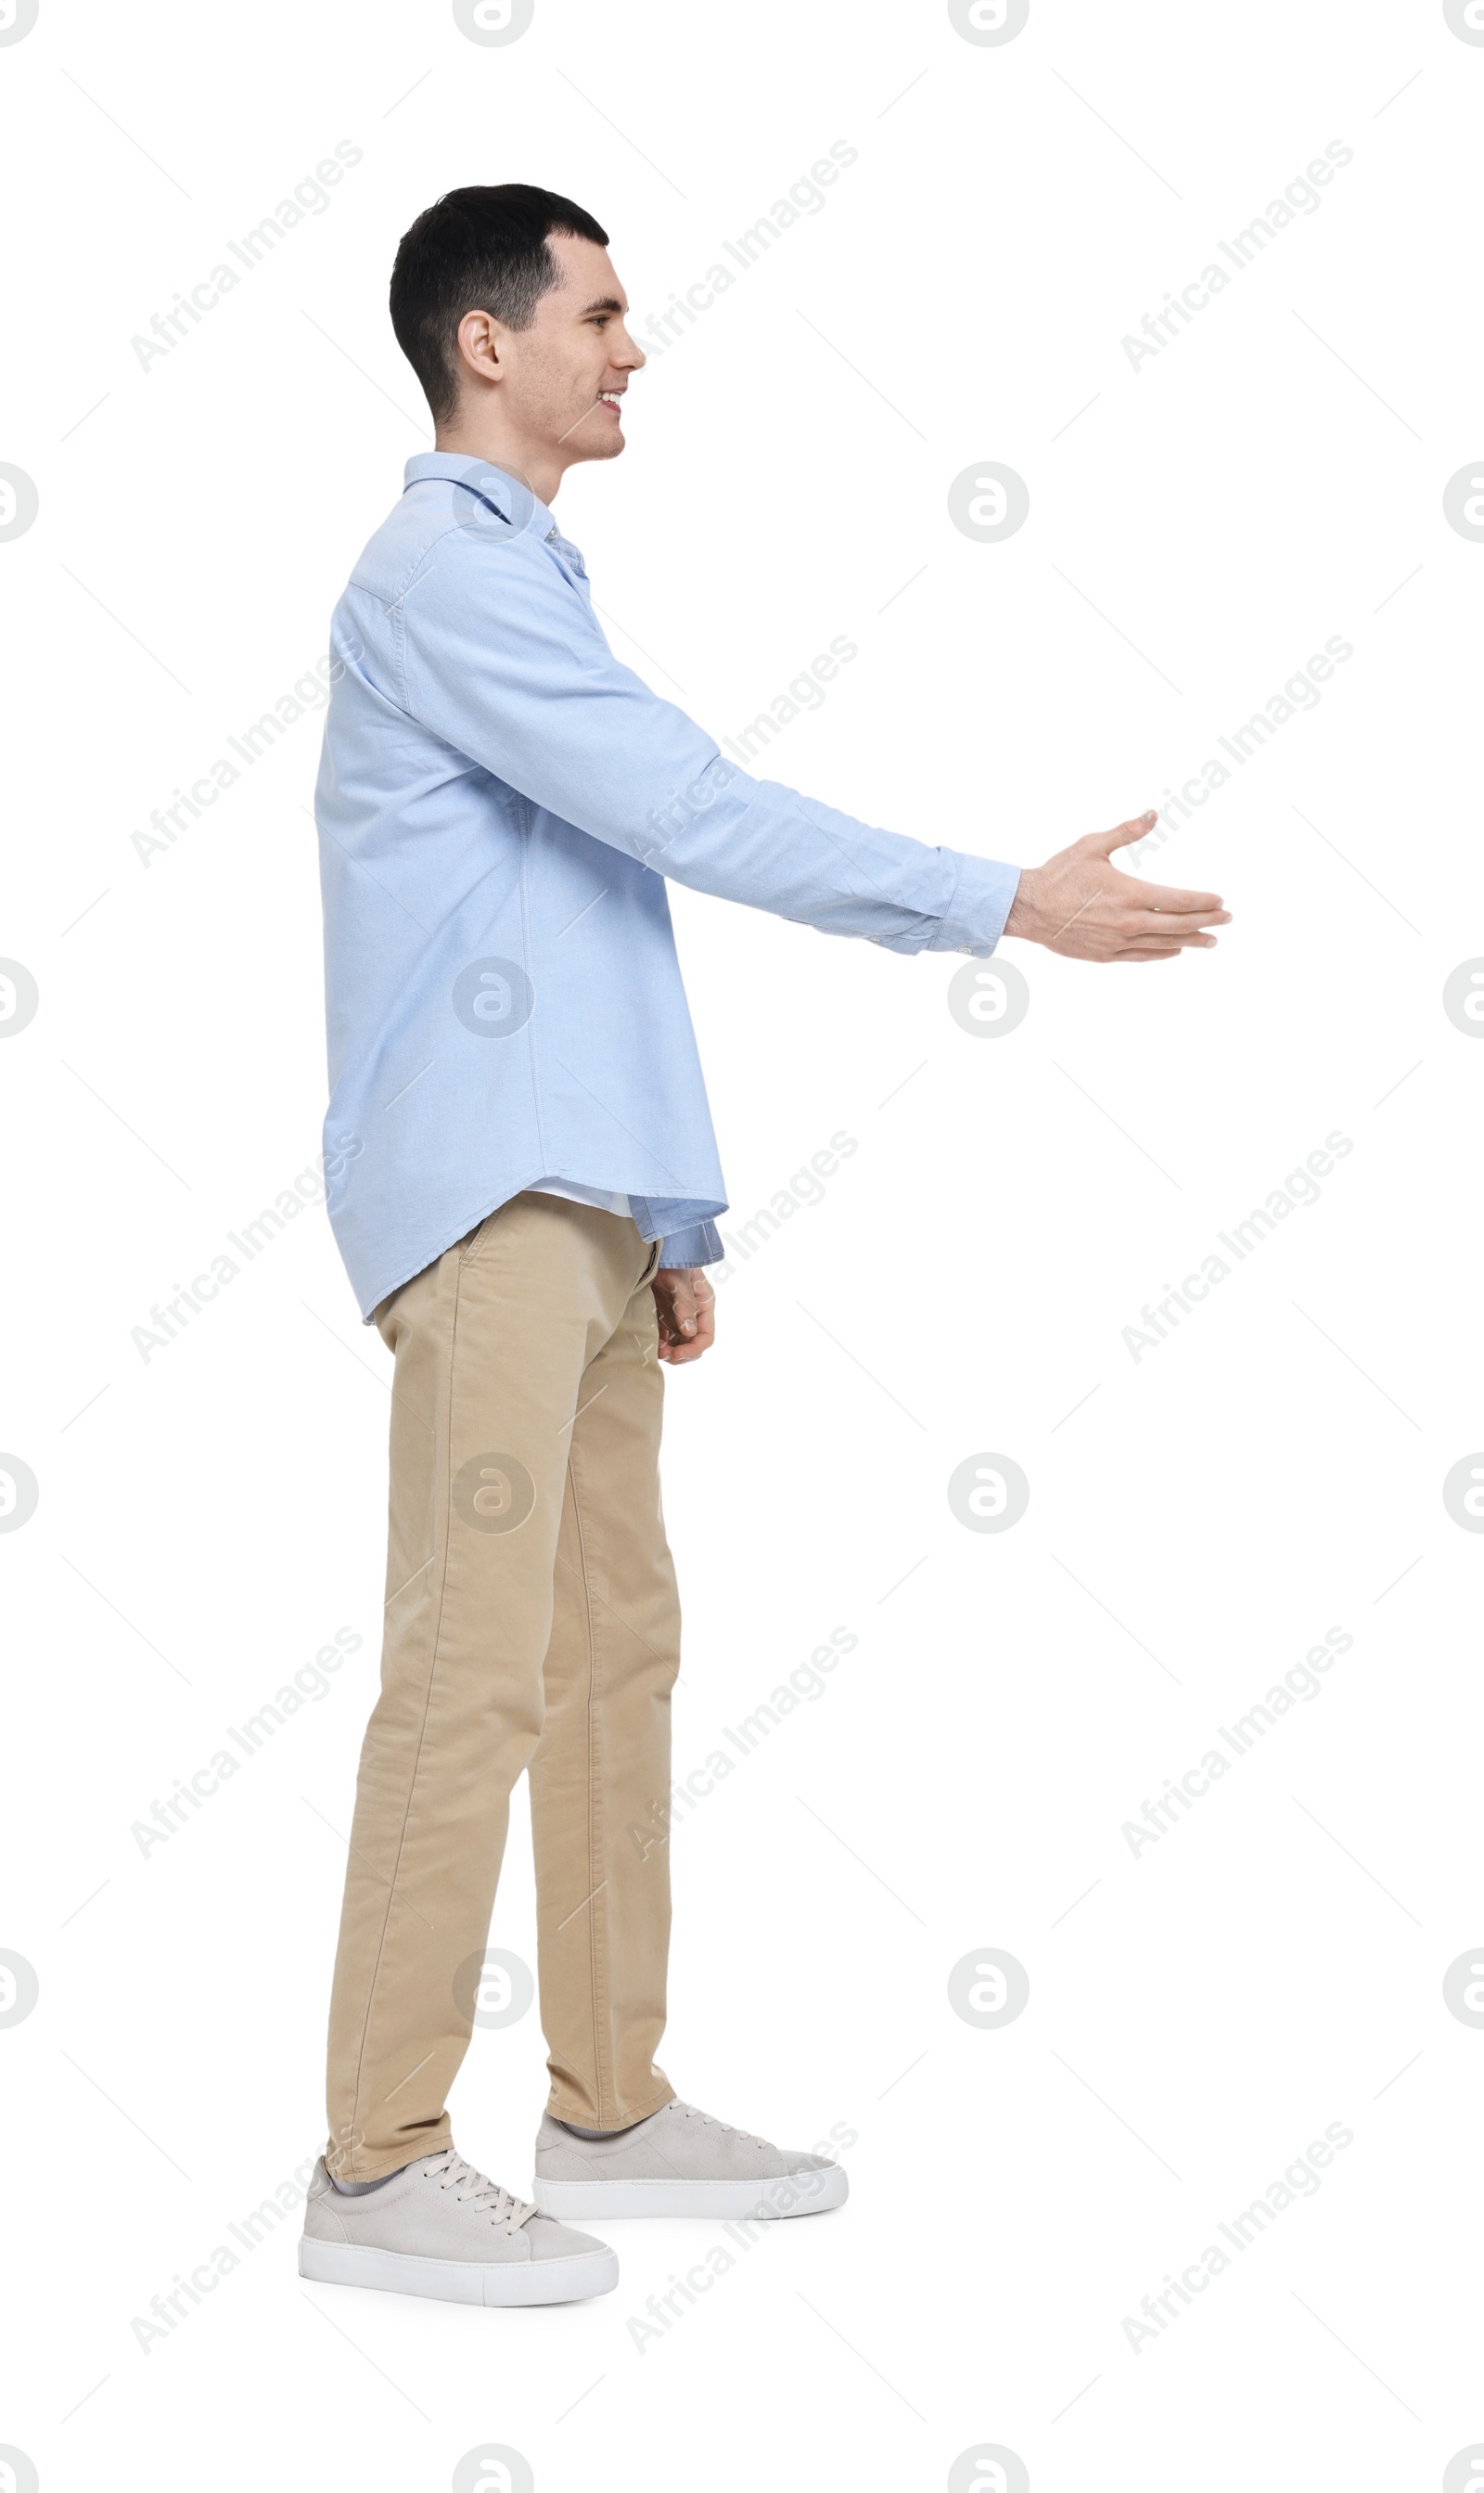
(607,398)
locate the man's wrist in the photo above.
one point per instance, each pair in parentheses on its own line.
(1024,913)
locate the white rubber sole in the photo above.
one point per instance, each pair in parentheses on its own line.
(787,2194)
(505,2283)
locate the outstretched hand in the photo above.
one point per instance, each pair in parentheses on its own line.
(1080,904)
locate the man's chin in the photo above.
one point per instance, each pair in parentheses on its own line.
(607,444)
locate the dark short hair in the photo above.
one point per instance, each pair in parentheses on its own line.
(479,249)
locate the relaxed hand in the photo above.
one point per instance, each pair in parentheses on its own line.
(686,1306)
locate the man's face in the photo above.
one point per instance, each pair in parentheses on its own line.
(561,378)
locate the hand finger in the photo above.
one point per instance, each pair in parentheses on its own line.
(1122,837)
(685,1302)
(1134,928)
(1173,921)
(682,1312)
(1182,919)
(1170,898)
(1173,954)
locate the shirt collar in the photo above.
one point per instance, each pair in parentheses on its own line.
(513,500)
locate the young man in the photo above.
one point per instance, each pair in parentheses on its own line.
(523,1183)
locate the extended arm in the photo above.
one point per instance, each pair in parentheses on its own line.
(502,658)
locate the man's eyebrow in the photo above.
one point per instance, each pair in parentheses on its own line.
(602,303)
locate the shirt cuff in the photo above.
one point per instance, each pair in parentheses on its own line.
(974,919)
(684,1249)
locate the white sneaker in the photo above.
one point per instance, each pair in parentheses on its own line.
(679,2162)
(439,2228)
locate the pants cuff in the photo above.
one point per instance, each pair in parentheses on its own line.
(375,2168)
(573,2112)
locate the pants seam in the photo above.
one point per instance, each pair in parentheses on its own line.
(600,2074)
(422,1737)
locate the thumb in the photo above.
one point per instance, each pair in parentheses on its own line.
(1104,843)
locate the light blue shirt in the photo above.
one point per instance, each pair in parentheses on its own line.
(499,804)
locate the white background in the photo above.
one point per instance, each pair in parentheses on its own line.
(1197,1518)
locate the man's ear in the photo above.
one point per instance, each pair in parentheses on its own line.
(481,345)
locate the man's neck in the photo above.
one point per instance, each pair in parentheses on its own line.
(538,467)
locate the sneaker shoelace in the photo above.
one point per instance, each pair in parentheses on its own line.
(502,2206)
(692,2112)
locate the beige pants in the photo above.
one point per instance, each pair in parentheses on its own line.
(531,1621)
